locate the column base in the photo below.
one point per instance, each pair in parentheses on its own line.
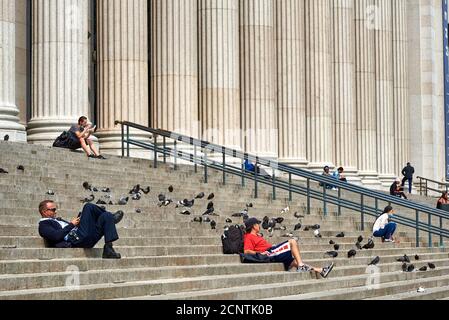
(14,135)
(386,180)
(370,180)
(45,131)
(9,125)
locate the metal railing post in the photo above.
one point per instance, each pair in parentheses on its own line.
(339,201)
(123,141)
(429,221)
(324,201)
(274,185)
(175,167)
(441,234)
(127,141)
(417,228)
(376,204)
(155,150)
(420,186)
(426,188)
(255,179)
(290,196)
(308,195)
(362,212)
(196,159)
(224,167)
(205,167)
(165,150)
(243,172)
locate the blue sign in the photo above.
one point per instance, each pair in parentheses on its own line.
(446,80)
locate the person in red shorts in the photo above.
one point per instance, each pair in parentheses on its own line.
(287,252)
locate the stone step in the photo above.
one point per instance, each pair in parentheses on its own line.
(434,293)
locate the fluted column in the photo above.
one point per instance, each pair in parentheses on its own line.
(401,105)
(366,23)
(384,92)
(291,101)
(258,80)
(320,137)
(123,69)
(219,72)
(60,67)
(9,120)
(344,87)
(174,66)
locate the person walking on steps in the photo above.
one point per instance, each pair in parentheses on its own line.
(408,173)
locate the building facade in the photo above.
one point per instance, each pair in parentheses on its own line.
(352,83)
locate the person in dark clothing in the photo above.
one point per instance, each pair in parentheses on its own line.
(82,232)
(397,190)
(408,173)
(444,199)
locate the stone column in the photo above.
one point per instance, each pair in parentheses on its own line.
(400,80)
(174,66)
(258,80)
(344,87)
(320,136)
(9,120)
(384,93)
(291,100)
(123,69)
(366,23)
(60,67)
(219,72)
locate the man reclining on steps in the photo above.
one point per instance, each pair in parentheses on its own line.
(287,252)
(82,232)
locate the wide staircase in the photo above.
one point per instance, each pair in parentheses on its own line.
(165,255)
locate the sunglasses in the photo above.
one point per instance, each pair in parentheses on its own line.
(53,209)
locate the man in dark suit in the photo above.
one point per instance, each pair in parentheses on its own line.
(82,232)
(408,173)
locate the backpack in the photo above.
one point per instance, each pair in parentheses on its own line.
(62,141)
(232,240)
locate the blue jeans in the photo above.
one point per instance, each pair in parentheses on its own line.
(387,232)
(94,224)
(410,184)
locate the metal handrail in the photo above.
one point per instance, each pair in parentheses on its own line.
(426,187)
(276,182)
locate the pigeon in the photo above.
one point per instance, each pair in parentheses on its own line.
(279,220)
(423,268)
(360,239)
(136,196)
(138,211)
(3,171)
(197,219)
(272,223)
(331,242)
(201,195)
(332,254)
(375,261)
(206,220)
(287,235)
(87,186)
(298,226)
(285,210)
(213,225)
(340,235)
(50,193)
(282,228)
(146,190)
(431,265)
(209,211)
(410,268)
(211,196)
(106,190)
(369,245)
(421,290)
(336,247)
(358,245)
(161,197)
(404,267)
(352,253)
(21,168)
(111,203)
(101,202)
(94,189)
(165,203)
(90,199)
(210,205)
(186,213)
(416,257)
(186,203)
(315,227)
(170,189)
(404,259)
(123,201)
(228,220)
(317,234)
(265,223)
(249,205)
(135,189)
(6,138)
(306,228)
(298,216)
